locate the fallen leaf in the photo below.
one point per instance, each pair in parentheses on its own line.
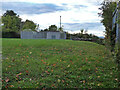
(30,52)
(59,80)
(27,71)
(63,81)
(47,72)
(68,66)
(64,61)
(7,80)
(11,86)
(98,84)
(18,74)
(42,60)
(52,85)
(98,76)
(116,79)
(83,81)
(54,65)
(27,63)
(9,66)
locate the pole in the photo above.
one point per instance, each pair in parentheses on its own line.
(60,22)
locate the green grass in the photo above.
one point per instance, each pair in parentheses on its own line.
(0,45)
(57,64)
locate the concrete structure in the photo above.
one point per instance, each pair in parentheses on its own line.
(116,22)
(28,34)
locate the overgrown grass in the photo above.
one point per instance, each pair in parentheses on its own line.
(57,64)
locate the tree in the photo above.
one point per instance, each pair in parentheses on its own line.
(46,29)
(61,28)
(82,30)
(68,35)
(29,25)
(11,22)
(53,28)
(106,13)
(10,13)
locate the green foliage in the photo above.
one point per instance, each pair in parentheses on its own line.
(10,35)
(9,13)
(68,35)
(117,53)
(84,37)
(29,25)
(11,23)
(57,64)
(107,10)
(46,29)
(53,28)
(60,29)
(113,39)
(82,30)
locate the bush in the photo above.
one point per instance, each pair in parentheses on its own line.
(10,35)
(117,53)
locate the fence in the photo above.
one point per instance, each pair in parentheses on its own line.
(116,22)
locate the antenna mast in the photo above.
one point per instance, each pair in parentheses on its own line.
(60,22)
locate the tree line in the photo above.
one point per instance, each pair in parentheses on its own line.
(12,24)
(84,36)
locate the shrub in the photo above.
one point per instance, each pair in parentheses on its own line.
(117,53)
(10,35)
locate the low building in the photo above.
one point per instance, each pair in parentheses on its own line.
(28,34)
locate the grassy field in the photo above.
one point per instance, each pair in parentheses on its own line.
(57,64)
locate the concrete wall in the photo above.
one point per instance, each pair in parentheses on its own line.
(27,35)
(53,35)
(42,35)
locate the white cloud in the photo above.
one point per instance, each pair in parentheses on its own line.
(70,16)
(72,2)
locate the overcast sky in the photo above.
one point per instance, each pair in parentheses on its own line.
(76,14)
